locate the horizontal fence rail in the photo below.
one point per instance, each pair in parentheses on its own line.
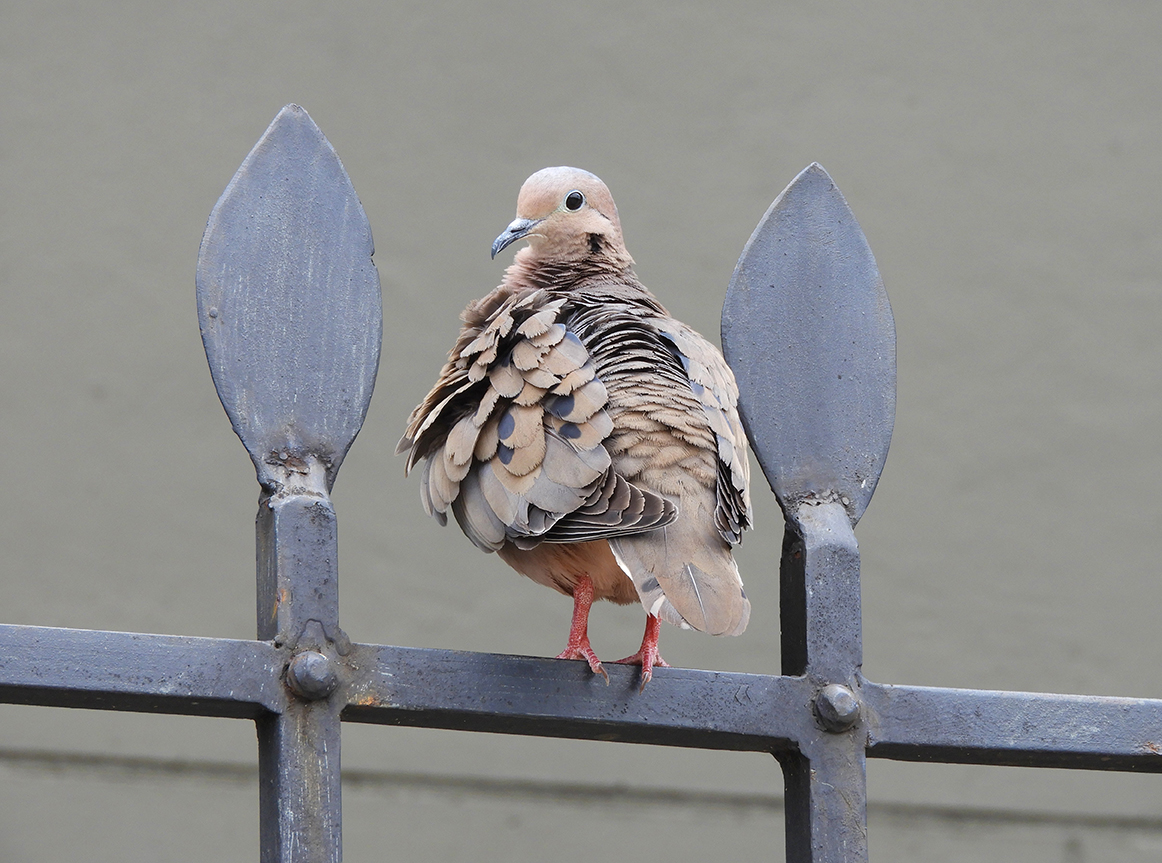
(144,673)
(289,306)
(543,697)
(1017,729)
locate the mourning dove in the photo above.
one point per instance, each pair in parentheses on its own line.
(584,435)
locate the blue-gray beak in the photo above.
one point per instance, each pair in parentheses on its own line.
(518,229)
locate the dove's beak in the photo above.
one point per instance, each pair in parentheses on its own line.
(518,229)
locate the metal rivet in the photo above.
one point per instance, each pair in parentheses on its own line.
(836,707)
(311,675)
(213,311)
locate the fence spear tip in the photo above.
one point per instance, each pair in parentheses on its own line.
(808,330)
(289,304)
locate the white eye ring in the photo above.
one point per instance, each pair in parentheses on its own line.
(574,200)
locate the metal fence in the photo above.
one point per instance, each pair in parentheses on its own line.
(289,306)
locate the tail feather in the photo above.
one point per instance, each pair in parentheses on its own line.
(685,575)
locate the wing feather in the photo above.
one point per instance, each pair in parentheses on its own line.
(513,435)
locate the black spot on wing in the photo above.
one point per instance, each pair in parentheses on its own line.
(505,428)
(562,406)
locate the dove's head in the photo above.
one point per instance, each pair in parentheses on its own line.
(566,214)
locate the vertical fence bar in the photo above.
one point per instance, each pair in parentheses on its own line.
(826,805)
(825,778)
(298,749)
(820,603)
(291,319)
(808,331)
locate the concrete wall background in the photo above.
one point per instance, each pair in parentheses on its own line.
(1002,158)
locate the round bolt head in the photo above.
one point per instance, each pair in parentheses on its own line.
(836,707)
(311,675)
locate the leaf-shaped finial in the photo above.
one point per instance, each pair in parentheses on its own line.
(809,333)
(289,305)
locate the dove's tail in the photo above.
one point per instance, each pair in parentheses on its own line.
(686,575)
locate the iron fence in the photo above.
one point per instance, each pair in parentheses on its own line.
(289,306)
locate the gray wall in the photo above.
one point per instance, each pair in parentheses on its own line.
(1002,158)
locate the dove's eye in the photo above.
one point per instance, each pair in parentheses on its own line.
(574,200)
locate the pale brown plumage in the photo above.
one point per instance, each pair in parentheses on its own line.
(581,432)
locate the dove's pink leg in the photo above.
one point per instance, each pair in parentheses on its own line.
(647,656)
(578,646)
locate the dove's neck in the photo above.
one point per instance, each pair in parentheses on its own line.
(528,272)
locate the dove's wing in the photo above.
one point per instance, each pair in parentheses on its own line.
(512,434)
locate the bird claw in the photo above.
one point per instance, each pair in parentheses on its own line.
(584,651)
(649,659)
(647,655)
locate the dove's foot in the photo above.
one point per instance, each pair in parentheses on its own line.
(584,651)
(578,644)
(647,656)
